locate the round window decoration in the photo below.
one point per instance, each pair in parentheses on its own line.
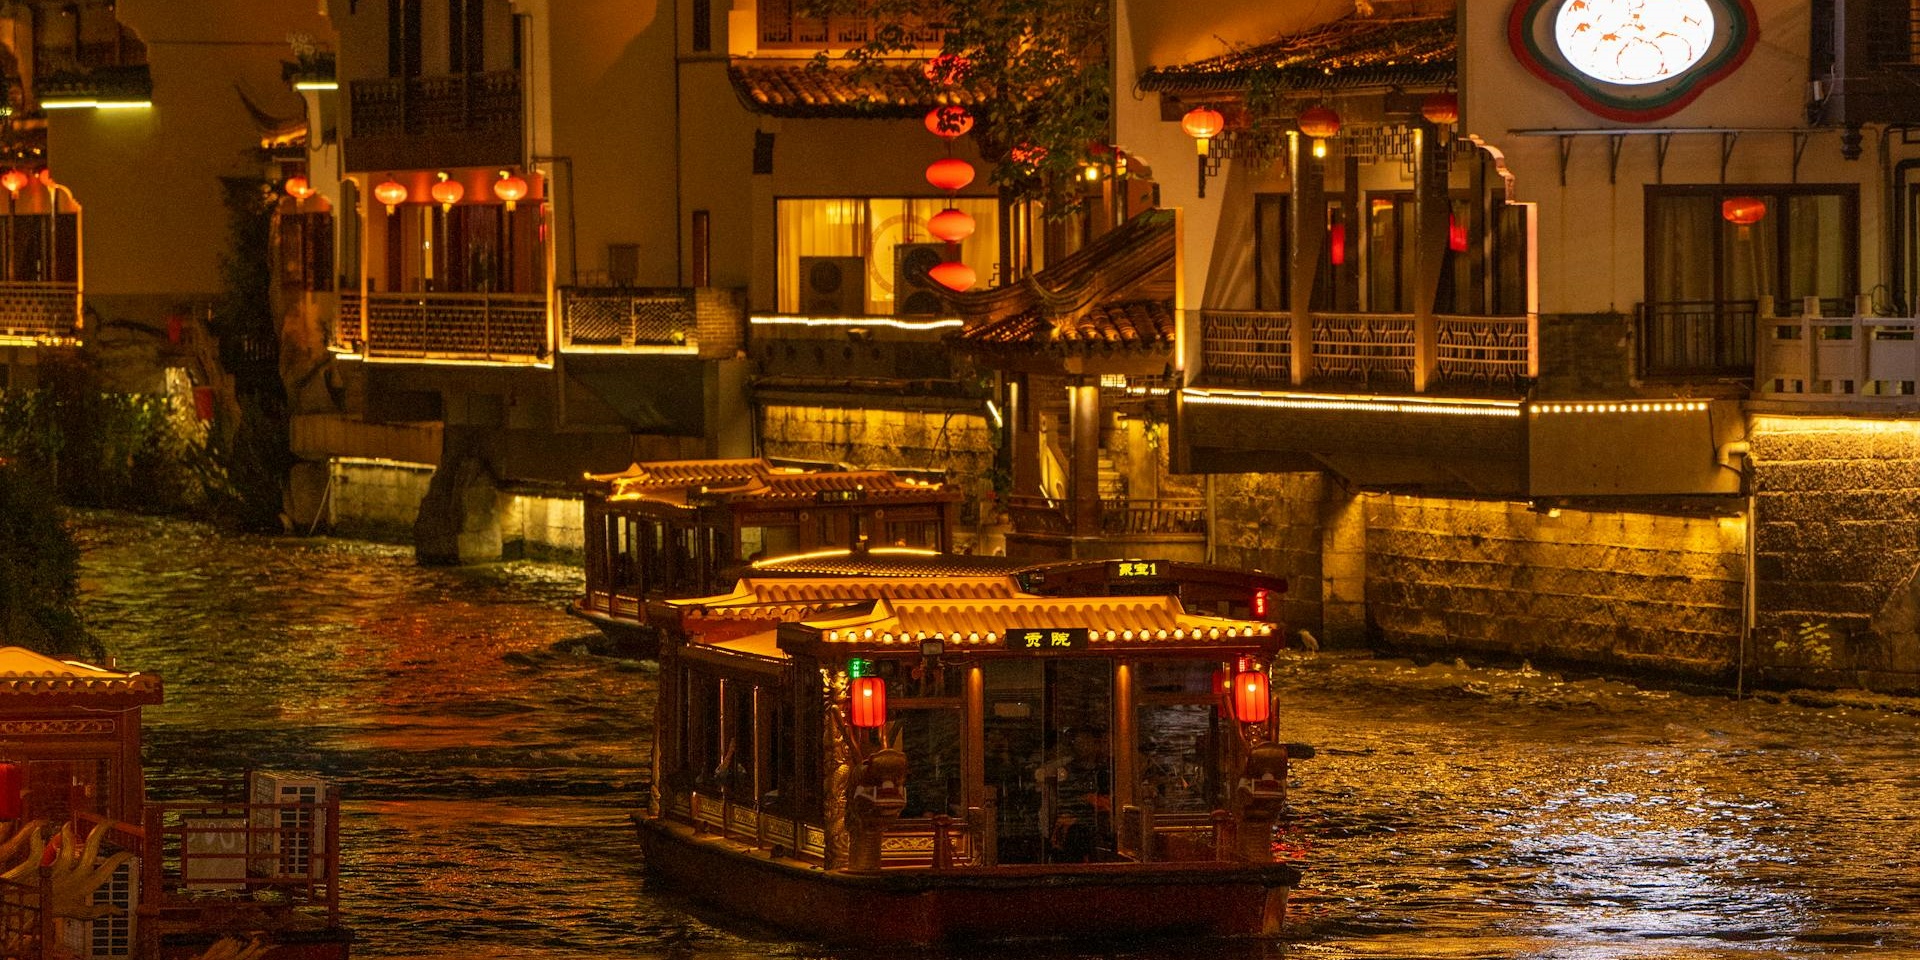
(1632,60)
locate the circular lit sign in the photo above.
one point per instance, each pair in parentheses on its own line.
(1632,60)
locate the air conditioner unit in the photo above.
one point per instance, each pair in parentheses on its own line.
(112,934)
(214,857)
(915,293)
(288,841)
(833,286)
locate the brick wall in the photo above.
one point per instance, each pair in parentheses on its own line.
(1272,522)
(956,443)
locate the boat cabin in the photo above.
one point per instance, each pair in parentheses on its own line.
(684,528)
(923,759)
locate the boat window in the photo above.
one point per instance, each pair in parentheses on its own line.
(1049,757)
(914,533)
(700,739)
(739,751)
(624,552)
(1177,735)
(652,538)
(930,737)
(769,541)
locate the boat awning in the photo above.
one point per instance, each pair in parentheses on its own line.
(757,652)
(25,673)
(776,600)
(1070,625)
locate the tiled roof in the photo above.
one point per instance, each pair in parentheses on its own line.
(685,472)
(1113,293)
(672,481)
(785,599)
(1134,323)
(1350,52)
(24,672)
(980,623)
(802,88)
(886,562)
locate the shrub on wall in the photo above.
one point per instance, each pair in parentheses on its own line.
(39,570)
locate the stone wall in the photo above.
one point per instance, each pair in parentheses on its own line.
(1837,551)
(1584,355)
(375,500)
(543,528)
(952,442)
(1272,522)
(1628,591)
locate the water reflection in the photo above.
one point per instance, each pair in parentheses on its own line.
(489,758)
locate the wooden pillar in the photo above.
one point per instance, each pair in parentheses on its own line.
(1309,246)
(1431,210)
(1023,435)
(1083,482)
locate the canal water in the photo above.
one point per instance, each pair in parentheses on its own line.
(488,759)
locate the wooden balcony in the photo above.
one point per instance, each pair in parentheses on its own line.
(1364,352)
(707,321)
(1856,359)
(457,120)
(783,27)
(40,313)
(475,327)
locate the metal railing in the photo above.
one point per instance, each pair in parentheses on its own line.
(446,326)
(452,103)
(613,317)
(45,312)
(1119,516)
(1696,338)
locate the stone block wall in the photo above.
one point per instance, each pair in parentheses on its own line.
(370,500)
(543,528)
(1585,355)
(720,321)
(1837,551)
(956,443)
(1273,522)
(1617,590)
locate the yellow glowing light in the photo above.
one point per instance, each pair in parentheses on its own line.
(775,320)
(1674,406)
(1319,149)
(1307,401)
(316,85)
(822,554)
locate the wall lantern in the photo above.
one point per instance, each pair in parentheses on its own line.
(11,806)
(1251,702)
(13,180)
(1320,123)
(510,188)
(1260,602)
(950,173)
(1456,235)
(1337,244)
(391,193)
(1441,109)
(1203,124)
(949,122)
(869,702)
(298,188)
(448,192)
(951,225)
(953,275)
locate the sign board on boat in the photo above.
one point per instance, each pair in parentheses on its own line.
(1047,639)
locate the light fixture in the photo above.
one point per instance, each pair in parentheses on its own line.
(391,193)
(869,702)
(447,191)
(949,122)
(1321,123)
(1441,109)
(1251,701)
(1203,124)
(950,173)
(952,225)
(298,188)
(510,188)
(953,275)
(13,180)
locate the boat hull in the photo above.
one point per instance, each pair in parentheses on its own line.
(629,639)
(1216,899)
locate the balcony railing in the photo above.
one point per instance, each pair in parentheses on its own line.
(1697,338)
(783,28)
(446,326)
(616,318)
(41,312)
(1118,516)
(1817,358)
(1363,350)
(428,106)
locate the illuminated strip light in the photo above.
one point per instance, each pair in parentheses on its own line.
(888,637)
(651,350)
(89,103)
(1460,408)
(317,85)
(381,462)
(1647,406)
(822,554)
(37,341)
(442,362)
(772,321)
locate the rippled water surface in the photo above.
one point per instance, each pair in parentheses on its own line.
(488,761)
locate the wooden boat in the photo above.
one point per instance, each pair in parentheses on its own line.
(888,760)
(687,527)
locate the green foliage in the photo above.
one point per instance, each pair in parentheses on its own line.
(39,570)
(255,451)
(1040,67)
(1810,644)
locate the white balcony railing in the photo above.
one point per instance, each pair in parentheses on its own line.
(1857,358)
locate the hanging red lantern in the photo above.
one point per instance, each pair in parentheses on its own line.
(869,702)
(947,69)
(391,193)
(11,806)
(951,225)
(953,275)
(1203,124)
(510,188)
(949,122)
(14,180)
(950,173)
(447,192)
(1259,602)
(1337,244)
(1743,211)
(1319,122)
(1028,155)
(1456,235)
(1251,702)
(1441,109)
(298,188)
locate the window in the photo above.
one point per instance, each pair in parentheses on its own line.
(466,36)
(473,248)
(1706,275)
(403,38)
(868,255)
(1272,231)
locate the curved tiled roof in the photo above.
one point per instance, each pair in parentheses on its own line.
(796,598)
(1350,52)
(803,88)
(24,672)
(886,562)
(671,480)
(1133,323)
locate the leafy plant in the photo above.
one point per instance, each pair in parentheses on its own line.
(39,570)
(1811,643)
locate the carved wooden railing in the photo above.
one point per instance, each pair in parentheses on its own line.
(910,842)
(1483,351)
(453,103)
(1366,349)
(1246,347)
(448,326)
(44,312)
(609,317)
(782,27)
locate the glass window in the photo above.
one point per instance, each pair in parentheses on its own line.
(931,740)
(1272,248)
(841,256)
(771,541)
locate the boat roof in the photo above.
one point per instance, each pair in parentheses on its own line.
(1135,623)
(778,599)
(677,482)
(25,672)
(885,562)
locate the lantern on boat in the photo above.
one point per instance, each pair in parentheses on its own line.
(10,795)
(1260,602)
(869,696)
(1251,702)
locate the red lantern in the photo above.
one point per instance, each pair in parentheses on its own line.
(510,188)
(1337,244)
(13,180)
(1251,702)
(950,173)
(1259,602)
(1456,235)
(1743,211)
(203,403)
(949,122)
(869,696)
(1441,109)
(10,798)
(1319,122)
(391,193)
(951,225)
(298,188)
(947,69)
(953,275)
(1203,124)
(1028,155)
(448,192)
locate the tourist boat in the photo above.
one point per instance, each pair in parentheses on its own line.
(892,760)
(687,527)
(89,868)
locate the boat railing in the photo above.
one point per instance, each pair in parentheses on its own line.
(1151,836)
(26,930)
(284,854)
(937,842)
